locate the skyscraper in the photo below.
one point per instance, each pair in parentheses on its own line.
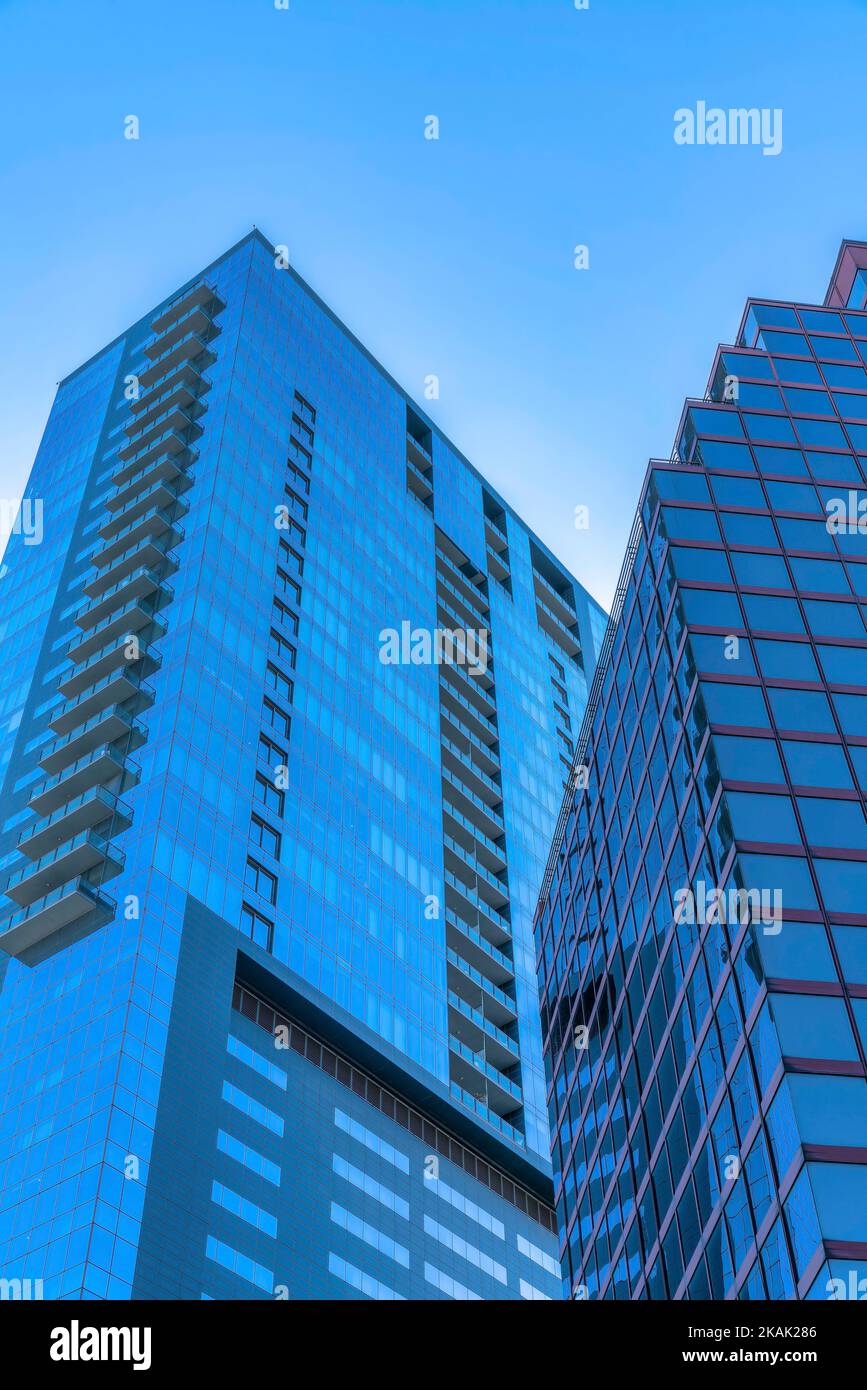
(287,703)
(702,931)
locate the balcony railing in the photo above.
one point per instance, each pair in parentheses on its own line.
(47,915)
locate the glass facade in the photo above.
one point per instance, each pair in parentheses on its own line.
(702,931)
(288,700)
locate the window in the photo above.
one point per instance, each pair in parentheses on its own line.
(812,1026)
(762,571)
(305,409)
(257,927)
(816,764)
(284,649)
(261,881)
(245,1209)
(268,794)
(253,1059)
(277,719)
(738,492)
(298,505)
(807,710)
(242,1153)
(773,614)
(284,615)
(264,835)
(299,455)
(749,759)
(298,478)
(302,431)
(285,585)
(369,1233)
(279,683)
(271,752)
(239,1264)
(799,951)
(292,558)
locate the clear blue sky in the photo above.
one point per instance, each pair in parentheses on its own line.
(451,257)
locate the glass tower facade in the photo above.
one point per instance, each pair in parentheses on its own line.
(702,930)
(287,704)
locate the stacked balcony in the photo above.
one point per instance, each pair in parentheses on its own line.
(68,848)
(556,615)
(497,543)
(484,1063)
(419,459)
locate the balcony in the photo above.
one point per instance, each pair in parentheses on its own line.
(194,320)
(414,446)
(199,295)
(170,443)
(190,348)
(480,1034)
(96,807)
(460,733)
(451,700)
(116,627)
(141,584)
(146,554)
(565,638)
(471,615)
(47,915)
(97,768)
(467,586)
(458,761)
(177,391)
(80,855)
(502,1094)
(478,1107)
(168,468)
(107,659)
(470,689)
(183,372)
(561,605)
(108,726)
(498,568)
(452,620)
(477,811)
(497,894)
(155,524)
(167,463)
(491,853)
(495,536)
(120,688)
(467,980)
(462,896)
(172,421)
(418,483)
(481,952)
(160,493)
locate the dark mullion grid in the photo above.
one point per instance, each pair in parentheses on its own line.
(688,970)
(743,1042)
(712,1105)
(807,638)
(599,810)
(783,1183)
(632,821)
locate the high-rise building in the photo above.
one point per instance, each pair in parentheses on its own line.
(287,701)
(702,931)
